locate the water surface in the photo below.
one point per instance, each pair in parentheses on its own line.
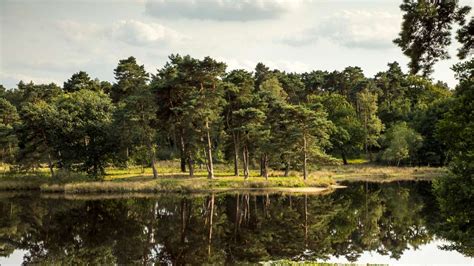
(366,222)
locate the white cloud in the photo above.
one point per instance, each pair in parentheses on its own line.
(353,29)
(139,33)
(231,10)
(285,65)
(10,78)
(132,32)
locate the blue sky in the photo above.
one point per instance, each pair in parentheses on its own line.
(48,41)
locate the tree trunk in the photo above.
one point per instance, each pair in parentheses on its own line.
(191,166)
(153,166)
(182,154)
(262,165)
(210,166)
(265,166)
(245,159)
(236,155)
(344,158)
(287,169)
(153,159)
(127,154)
(305,171)
(50,165)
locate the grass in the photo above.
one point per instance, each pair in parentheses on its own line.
(138,180)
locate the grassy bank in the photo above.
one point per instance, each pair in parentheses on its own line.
(138,180)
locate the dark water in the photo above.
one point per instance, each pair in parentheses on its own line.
(376,223)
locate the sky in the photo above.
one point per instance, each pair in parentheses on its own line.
(48,40)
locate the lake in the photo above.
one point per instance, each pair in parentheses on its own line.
(396,222)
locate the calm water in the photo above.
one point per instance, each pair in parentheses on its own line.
(376,223)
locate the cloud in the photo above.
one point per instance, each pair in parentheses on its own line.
(9,80)
(353,29)
(222,10)
(132,32)
(139,33)
(289,66)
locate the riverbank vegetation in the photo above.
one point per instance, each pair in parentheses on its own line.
(171,180)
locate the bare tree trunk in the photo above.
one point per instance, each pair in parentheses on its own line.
(153,160)
(191,166)
(265,166)
(236,154)
(344,158)
(182,154)
(305,171)
(287,169)
(245,158)
(210,166)
(50,165)
(261,165)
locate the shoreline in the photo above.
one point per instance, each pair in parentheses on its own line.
(320,181)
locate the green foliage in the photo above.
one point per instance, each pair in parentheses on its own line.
(372,126)
(82,127)
(401,143)
(193,110)
(426,31)
(455,191)
(347,136)
(465,36)
(82,81)
(36,134)
(192,96)
(130,78)
(9,119)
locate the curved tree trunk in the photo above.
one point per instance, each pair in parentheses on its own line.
(245,159)
(210,166)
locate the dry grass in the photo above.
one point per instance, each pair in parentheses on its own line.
(377,173)
(136,180)
(196,184)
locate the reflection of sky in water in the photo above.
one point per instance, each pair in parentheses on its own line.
(428,254)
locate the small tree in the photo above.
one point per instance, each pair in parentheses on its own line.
(372,126)
(402,142)
(309,129)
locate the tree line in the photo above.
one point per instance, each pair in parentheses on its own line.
(193,110)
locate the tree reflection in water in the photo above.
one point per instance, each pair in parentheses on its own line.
(178,229)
